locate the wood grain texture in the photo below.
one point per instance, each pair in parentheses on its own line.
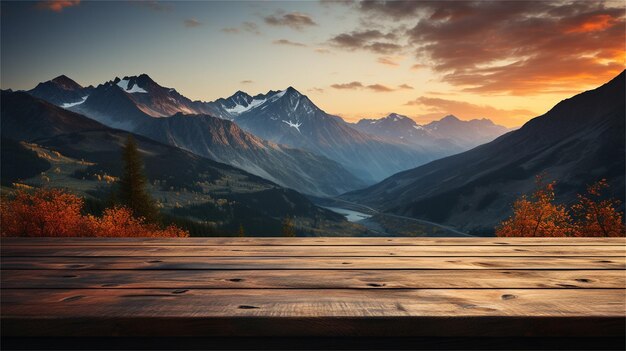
(317,241)
(312,279)
(316,287)
(325,263)
(310,251)
(214,312)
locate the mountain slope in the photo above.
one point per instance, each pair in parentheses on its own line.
(579,141)
(290,118)
(26,118)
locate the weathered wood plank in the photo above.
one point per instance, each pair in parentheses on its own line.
(251,312)
(328,263)
(316,241)
(301,251)
(312,279)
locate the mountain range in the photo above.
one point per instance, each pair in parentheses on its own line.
(286,138)
(290,118)
(41,141)
(578,142)
(449,135)
(123,103)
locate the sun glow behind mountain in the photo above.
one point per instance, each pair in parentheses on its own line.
(507,61)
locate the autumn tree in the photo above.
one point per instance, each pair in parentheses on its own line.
(44,212)
(594,215)
(288,228)
(132,191)
(537,215)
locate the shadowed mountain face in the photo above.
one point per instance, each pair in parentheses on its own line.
(27,118)
(578,142)
(61,91)
(124,104)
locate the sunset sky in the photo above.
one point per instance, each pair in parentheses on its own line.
(505,60)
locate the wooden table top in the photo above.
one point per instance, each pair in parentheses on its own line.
(292,287)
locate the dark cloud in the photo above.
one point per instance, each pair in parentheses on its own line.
(394,9)
(152,5)
(440,107)
(248,27)
(288,43)
(294,20)
(379,88)
(366,40)
(57,5)
(322,51)
(351,85)
(192,22)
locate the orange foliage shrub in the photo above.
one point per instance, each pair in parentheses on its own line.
(56,213)
(596,216)
(119,222)
(46,212)
(538,216)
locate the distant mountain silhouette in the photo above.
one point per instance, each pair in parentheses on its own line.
(446,136)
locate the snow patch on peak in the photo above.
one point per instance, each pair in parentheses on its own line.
(293,125)
(70,104)
(278,95)
(123,83)
(239,109)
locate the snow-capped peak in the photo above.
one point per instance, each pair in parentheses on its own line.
(124,84)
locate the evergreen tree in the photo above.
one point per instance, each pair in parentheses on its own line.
(241,232)
(132,191)
(288,228)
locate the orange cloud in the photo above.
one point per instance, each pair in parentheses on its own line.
(57,5)
(593,24)
(389,61)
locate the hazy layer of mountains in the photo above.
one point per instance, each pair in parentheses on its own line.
(281,135)
(448,135)
(578,142)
